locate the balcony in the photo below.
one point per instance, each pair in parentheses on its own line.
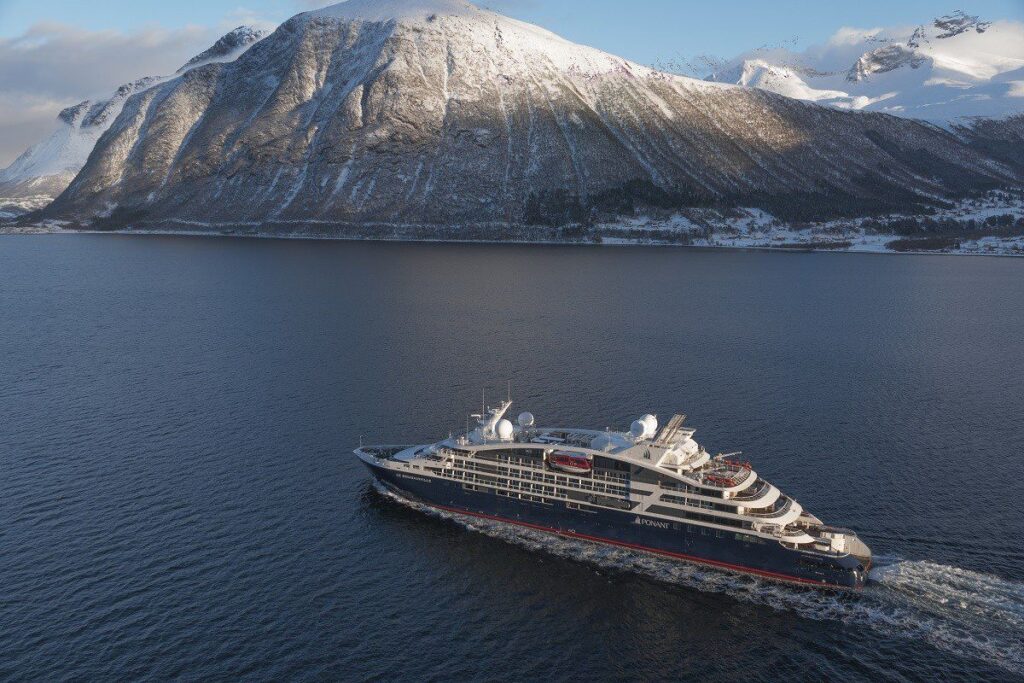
(756,491)
(779,512)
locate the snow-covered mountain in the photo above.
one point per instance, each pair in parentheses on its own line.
(227,47)
(43,171)
(947,71)
(435,112)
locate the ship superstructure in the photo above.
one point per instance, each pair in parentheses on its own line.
(652,489)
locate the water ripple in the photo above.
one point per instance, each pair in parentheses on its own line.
(963,612)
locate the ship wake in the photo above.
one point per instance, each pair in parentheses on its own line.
(959,611)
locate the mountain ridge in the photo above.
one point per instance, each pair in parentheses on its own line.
(445,113)
(945,71)
(46,168)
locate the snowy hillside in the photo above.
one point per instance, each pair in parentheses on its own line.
(228,47)
(45,169)
(948,70)
(436,113)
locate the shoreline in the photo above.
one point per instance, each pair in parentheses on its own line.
(876,247)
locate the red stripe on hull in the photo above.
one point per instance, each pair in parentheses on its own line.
(689,558)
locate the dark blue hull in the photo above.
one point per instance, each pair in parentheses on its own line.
(693,543)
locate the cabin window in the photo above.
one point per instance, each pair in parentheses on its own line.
(749,539)
(662,510)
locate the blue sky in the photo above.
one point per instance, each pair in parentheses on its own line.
(642,30)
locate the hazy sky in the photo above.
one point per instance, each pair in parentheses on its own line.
(54,53)
(642,30)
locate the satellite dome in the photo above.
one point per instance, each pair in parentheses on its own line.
(651,423)
(504,429)
(525,419)
(638,429)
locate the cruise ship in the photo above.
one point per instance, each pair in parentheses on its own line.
(647,489)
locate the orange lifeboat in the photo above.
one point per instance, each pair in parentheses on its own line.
(570,462)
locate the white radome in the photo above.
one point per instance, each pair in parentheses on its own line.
(504,430)
(651,423)
(525,419)
(638,429)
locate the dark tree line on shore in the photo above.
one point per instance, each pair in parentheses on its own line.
(926,226)
(560,207)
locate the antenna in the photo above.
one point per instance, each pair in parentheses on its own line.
(509,395)
(483,403)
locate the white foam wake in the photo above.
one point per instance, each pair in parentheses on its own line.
(956,610)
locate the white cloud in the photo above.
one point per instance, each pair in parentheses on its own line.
(494,5)
(848,35)
(243,16)
(307,5)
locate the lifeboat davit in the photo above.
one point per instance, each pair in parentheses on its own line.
(570,462)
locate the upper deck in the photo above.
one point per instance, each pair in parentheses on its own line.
(670,453)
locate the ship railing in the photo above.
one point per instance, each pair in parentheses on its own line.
(724,476)
(382,452)
(786,507)
(782,533)
(537,465)
(612,477)
(515,473)
(754,492)
(542,490)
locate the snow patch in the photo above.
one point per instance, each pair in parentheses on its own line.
(940,71)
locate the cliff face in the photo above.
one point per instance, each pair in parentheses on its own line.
(436,112)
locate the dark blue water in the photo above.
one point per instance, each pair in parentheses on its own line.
(177,498)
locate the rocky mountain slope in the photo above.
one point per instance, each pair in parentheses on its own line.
(227,47)
(434,112)
(44,170)
(951,69)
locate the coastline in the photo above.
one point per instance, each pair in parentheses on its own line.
(992,225)
(870,244)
